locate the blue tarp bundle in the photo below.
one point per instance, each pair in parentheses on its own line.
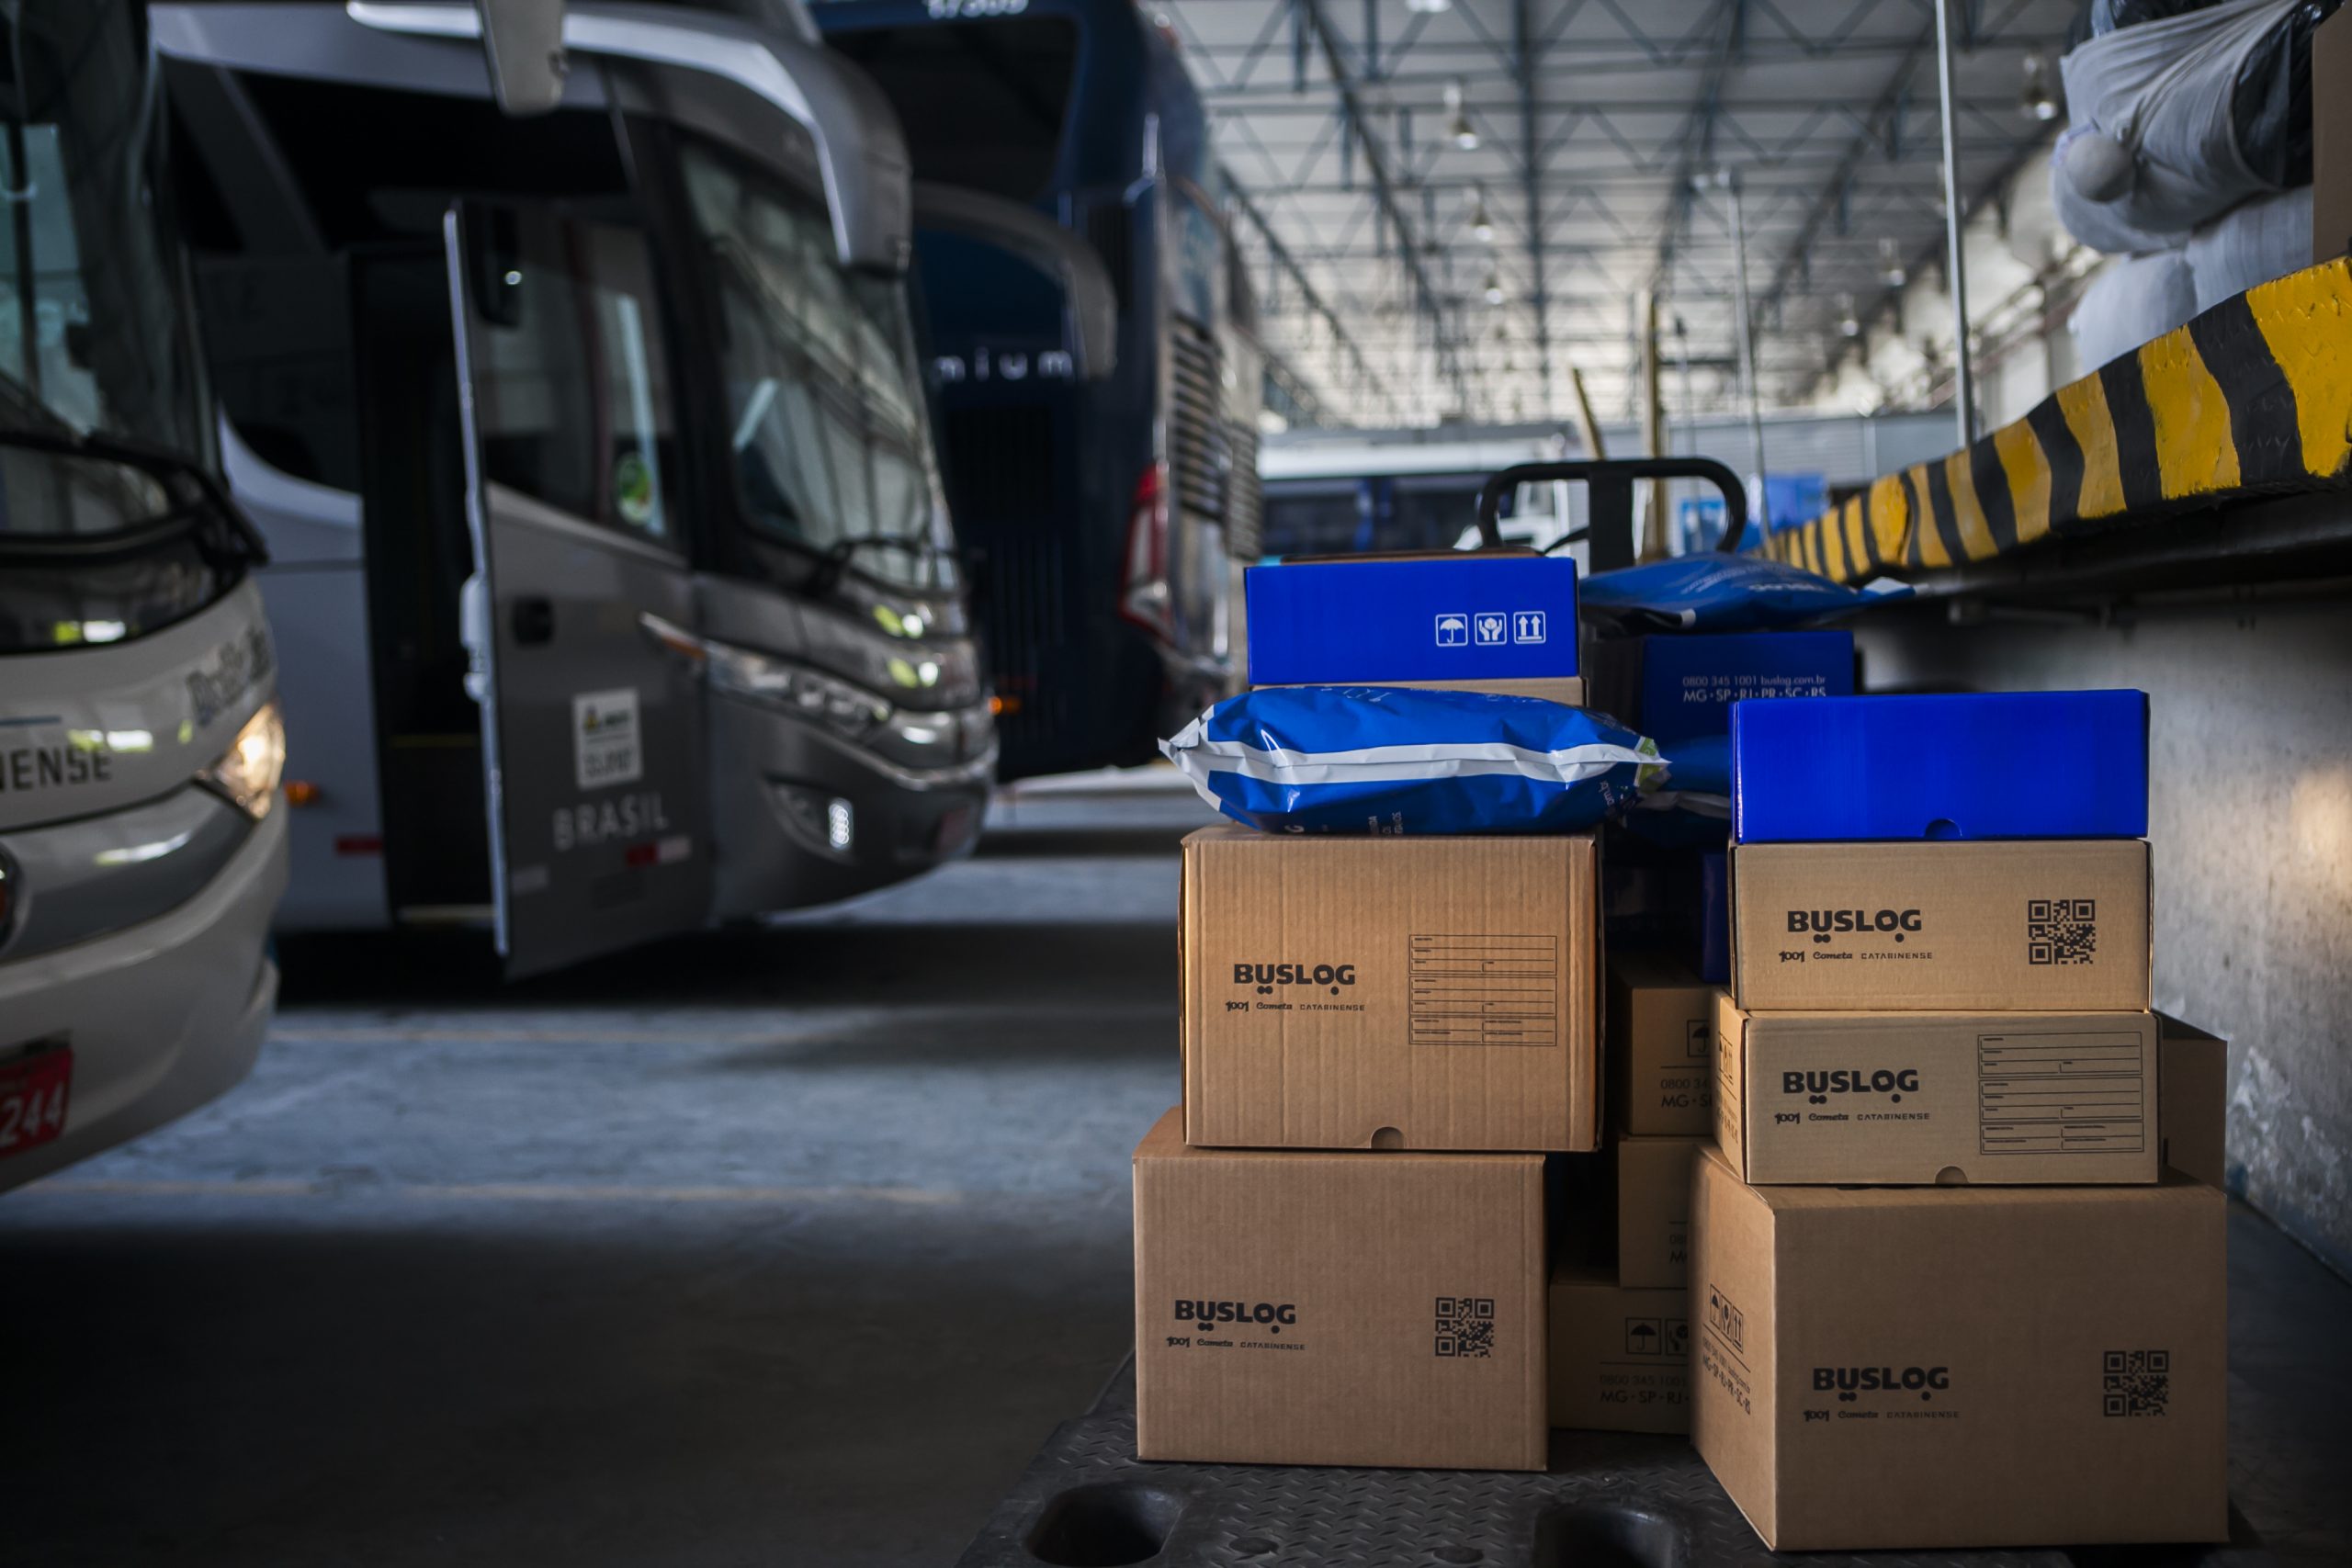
(1717,593)
(1387,760)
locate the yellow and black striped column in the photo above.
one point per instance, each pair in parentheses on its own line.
(2254,396)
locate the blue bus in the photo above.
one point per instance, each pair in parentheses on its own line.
(1097,489)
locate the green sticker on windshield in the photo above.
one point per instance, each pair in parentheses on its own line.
(633,490)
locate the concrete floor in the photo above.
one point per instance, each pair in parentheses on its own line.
(784,1247)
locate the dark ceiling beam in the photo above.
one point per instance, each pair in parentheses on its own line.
(1698,143)
(1756,174)
(1277,104)
(1477,58)
(1701,272)
(1287,393)
(1376,163)
(1248,208)
(1869,140)
(1524,57)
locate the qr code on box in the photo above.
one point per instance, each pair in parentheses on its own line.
(1465,1325)
(2061,930)
(2137,1383)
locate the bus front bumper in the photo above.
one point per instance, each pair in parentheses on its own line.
(161,1016)
(802,818)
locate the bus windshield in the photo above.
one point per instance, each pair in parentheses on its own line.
(110,526)
(831,444)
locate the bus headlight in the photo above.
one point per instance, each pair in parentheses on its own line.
(944,672)
(249,769)
(797,690)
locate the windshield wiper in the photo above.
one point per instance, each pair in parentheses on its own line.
(831,565)
(161,462)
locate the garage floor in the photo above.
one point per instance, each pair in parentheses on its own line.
(783,1248)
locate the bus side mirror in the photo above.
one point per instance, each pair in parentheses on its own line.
(523,40)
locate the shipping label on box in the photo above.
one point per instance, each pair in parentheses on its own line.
(1995,1098)
(1339,1308)
(1689,683)
(1619,1356)
(1927,1368)
(1452,616)
(1653,1211)
(1662,1028)
(1435,993)
(2051,926)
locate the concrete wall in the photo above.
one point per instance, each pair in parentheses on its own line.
(2251,821)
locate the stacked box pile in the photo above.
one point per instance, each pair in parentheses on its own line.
(1341,1250)
(1620,1322)
(1908,1217)
(1946,1294)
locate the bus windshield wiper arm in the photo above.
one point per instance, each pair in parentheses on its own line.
(160,461)
(834,562)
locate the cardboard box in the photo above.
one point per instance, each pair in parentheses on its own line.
(1448,615)
(1295,1308)
(1963,1367)
(1912,1098)
(1653,1211)
(2193,1101)
(1620,1357)
(2047,927)
(2331,141)
(1661,1068)
(1437,993)
(1994,765)
(1677,688)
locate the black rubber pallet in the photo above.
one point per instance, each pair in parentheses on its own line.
(1609,1501)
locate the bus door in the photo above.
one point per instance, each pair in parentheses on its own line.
(592,730)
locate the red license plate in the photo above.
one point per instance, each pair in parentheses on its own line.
(33,1091)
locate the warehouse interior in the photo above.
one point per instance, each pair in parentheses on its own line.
(650,1068)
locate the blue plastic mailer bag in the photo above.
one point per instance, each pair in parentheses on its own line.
(1715,592)
(1389,760)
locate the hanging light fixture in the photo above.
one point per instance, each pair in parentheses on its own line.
(1428,7)
(1482,224)
(1849,324)
(1494,287)
(1891,270)
(1464,134)
(2038,102)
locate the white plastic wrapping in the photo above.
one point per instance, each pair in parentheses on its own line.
(2151,152)
(2135,298)
(2251,243)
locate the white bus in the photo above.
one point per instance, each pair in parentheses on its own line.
(142,842)
(615,586)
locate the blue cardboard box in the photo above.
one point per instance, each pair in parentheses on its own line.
(1714,918)
(1462,617)
(1992,765)
(1689,683)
